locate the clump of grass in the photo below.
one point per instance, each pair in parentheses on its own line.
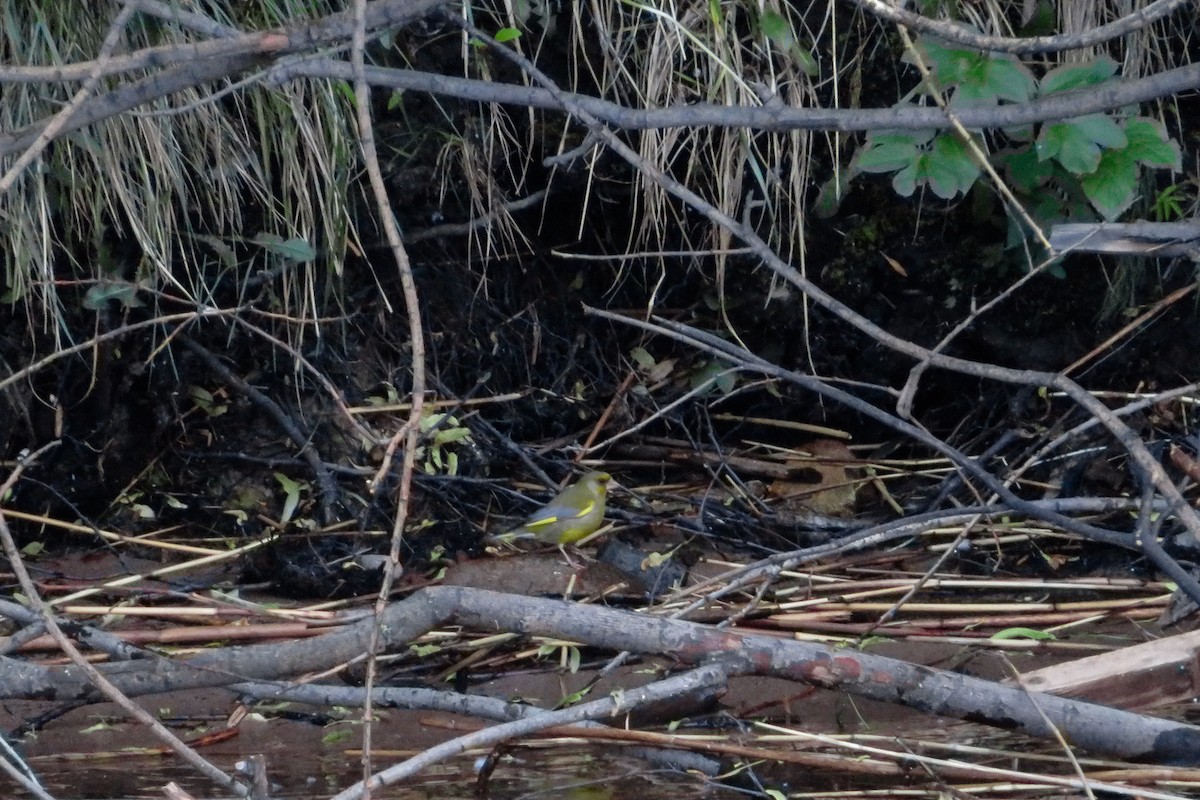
(162,195)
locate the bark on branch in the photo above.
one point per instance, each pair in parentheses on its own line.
(1096,728)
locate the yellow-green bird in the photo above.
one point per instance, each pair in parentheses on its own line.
(575,513)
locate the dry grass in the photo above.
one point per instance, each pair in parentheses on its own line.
(281,159)
(171,174)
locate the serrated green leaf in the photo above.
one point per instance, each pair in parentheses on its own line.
(1112,187)
(949,65)
(1026,171)
(1075,76)
(1101,129)
(886,153)
(952,159)
(1148,143)
(995,78)
(940,177)
(1077,143)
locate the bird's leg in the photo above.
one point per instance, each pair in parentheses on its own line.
(562,548)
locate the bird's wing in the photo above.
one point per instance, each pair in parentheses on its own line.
(557,512)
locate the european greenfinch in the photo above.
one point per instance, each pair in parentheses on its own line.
(575,513)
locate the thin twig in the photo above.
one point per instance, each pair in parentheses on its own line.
(97,679)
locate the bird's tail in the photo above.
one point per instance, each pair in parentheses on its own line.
(508,537)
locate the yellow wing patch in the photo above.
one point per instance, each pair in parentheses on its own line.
(535,524)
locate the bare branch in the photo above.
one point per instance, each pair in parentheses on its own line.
(958,34)
(773,117)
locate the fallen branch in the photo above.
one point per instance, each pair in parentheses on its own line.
(1092,727)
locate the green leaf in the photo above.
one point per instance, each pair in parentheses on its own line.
(292,249)
(1168,204)
(1075,76)
(776,29)
(1150,144)
(940,178)
(1022,633)
(98,296)
(452,435)
(507,35)
(946,167)
(995,78)
(1076,143)
(887,153)
(1112,187)
(829,197)
(805,60)
(949,65)
(220,246)
(642,358)
(1041,22)
(950,167)
(337,736)
(1101,129)
(710,375)
(904,182)
(1026,172)
(871,641)
(572,699)
(779,32)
